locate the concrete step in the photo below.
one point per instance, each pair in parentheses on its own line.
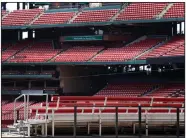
(159,16)
(150,49)
(74,17)
(119,11)
(38,16)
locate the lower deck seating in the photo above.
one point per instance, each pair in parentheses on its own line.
(78,54)
(171,48)
(125,89)
(65,104)
(166,90)
(127,52)
(8,112)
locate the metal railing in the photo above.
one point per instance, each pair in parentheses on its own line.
(139,121)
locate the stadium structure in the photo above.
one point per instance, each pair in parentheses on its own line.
(93,69)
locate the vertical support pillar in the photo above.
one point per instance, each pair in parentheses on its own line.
(88,128)
(46,129)
(27,107)
(180,27)
(31,5)
(29,85)
(75,120)
(30,34)
(116,123)
(175,28)
(45,84)
(14,84)
(43,129)
(18,6)
(36,130)
(134,128)
(100,131)
(146,125)
(178,123)
(53,125)
(139,120)
(28,130)
(24,5)
(17,115)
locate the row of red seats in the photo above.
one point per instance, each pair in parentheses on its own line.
(8,110)
(38,52)
(78,54)
(10,51)
(119,104)
(127,52)
(3,13)
(54,18)
(176,11)
(126,90)
(137,11)
(21,17)
(95,15)
(171,45)
(87,99)
(134,11)
(166,90)
(67,103)
(179,51)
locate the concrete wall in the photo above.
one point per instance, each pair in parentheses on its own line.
(79,80)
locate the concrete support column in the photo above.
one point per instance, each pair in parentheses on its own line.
(24,5)
(18,6)
(30,34)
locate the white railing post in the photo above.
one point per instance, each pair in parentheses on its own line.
(27,107)
(146,124)
(53,125)
(100,122)
(15,108)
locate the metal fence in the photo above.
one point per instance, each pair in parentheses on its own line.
(7,116)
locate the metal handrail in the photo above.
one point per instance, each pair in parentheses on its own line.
(23,95)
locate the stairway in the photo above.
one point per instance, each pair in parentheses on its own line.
(119,11)
(52,59)
(5,16)
(90,60)
(152,48)
(74,17)
(38,16)
(19,52)
(153,90)
(159,16)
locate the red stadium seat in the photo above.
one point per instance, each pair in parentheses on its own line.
(141,11)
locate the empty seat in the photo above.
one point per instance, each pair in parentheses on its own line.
(141,10)
(176,11)
(54,18)
(78,54)
(20,17)
(127,52)
(38,52)
(95,15)
(167,49)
